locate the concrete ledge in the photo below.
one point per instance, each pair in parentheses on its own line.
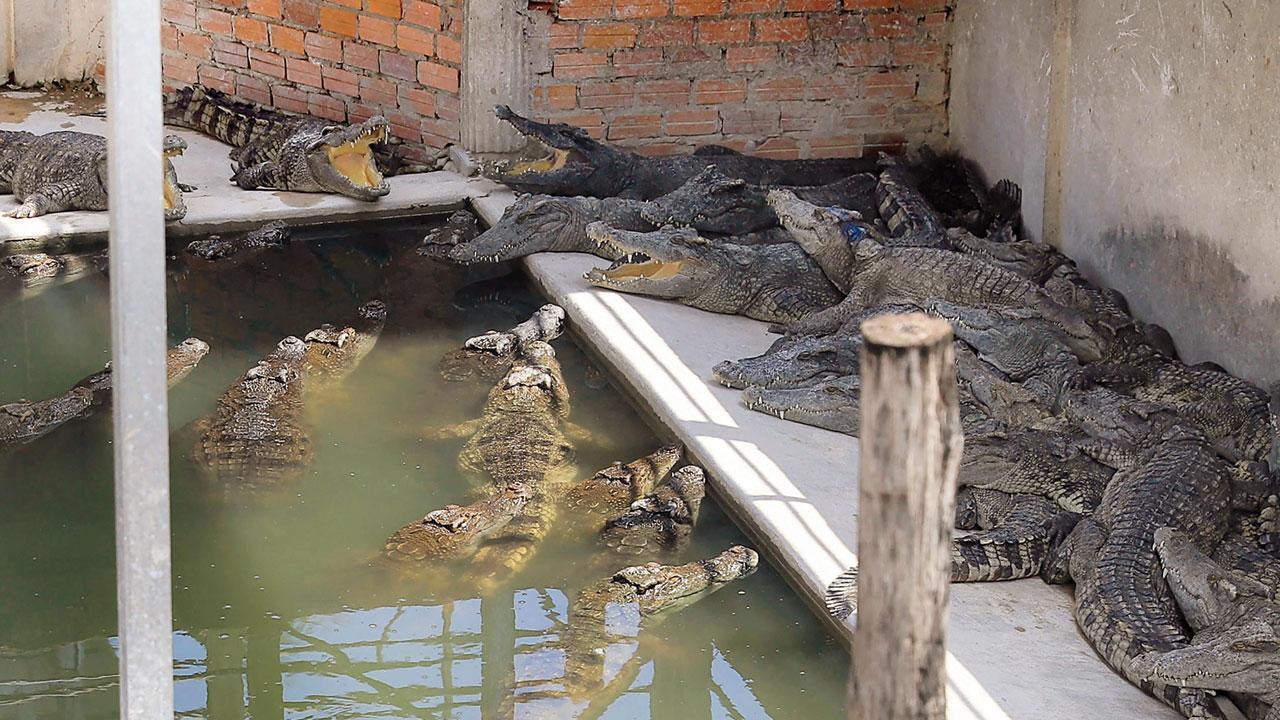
(1014,651)
(216,204)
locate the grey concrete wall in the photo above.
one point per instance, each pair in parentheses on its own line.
(1159,141)
(44,40)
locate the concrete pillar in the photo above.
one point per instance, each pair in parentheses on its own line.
(64,41)
(6,37)
(494,72)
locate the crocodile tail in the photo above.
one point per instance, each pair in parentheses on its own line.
(1004,203)
(997,555)
(218,115)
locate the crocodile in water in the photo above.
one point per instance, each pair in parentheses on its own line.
(662,520)
(489,356)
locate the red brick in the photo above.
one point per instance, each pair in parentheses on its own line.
(864,115)
(652,149)
(420,12)
(217,78)
(254,89)
(181,69)
(583,9)
(918,53)
(692,122)
(215,22)
(340,81)
(749,121)
(321,105)
(870,4)
(579,65)
(611,35)
(614,94)
(288,39)
(288,98)
(358,112)
(266,8)
(724,32)
(303,72)
(405,127)
(787,29)
(890,25)
(448,107)
(840,28)
(448,49)
(337,21)
(249,30)
(267,63)
(718,91)
(693,61)
(642,8)
(748,7)
(809,5)
(396,65)
(415,99)
(690,8)
(755,56)
(199,46)
(590,120)
(378,92)
(780,148)
(831,87)
(415,40)
(635,126)
(323,47)
(438,134)
(438,76)
(385,8)
(231,4)
(630,63)
(562,97)
(777,89)
(864,53)
(666,33)
(230,53)
(168,37)
(565,36)
(889,85)
(377,30)
(361,56)
(796,118)
(180,12)
(826,146)
(302,13)
(665,93)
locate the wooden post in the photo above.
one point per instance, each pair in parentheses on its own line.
(910,453)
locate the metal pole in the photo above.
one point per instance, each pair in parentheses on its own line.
(134,135)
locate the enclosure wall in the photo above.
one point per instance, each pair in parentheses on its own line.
(1149,130)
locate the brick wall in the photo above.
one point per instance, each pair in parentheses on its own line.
(345,60)
(782,78)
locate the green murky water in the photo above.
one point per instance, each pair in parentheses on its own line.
(282,608)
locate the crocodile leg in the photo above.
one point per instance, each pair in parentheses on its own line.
(453,432)
(262,175)
(48,199)
(1014,540)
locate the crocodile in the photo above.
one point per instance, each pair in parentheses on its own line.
(1011,539)
(1034,461)
(581,165)
(461,227)
(26,420)
(453,531)
(1108,311)
(282,151)
(1035,261)
(662,520)
(489,356)
(1236,620)
(953,186)
(34,270)
(180,360)
(831,404)
(255,435)
(774,283)
(217,249)
(67,170)
(1122,604)
(714,202)
(612,490)
(909,218)
(334,352)
(795,362)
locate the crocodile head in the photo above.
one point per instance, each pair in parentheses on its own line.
(639,476)
(668,263)
(175,208)
(32,268)
(832,404)
(335,351)
(340,159)
(661,520)
(1016,341)
(533,223)
(793,362)
(532,385)
(813,227)
(576,164)
(660,587)
(713,202)
(1242,658)
(1207,593)
(183,358)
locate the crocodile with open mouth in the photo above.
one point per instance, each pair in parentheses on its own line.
(581,165)
(283,151)
(67,170)
(774,283)
(1236,619)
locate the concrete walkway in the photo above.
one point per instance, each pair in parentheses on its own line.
(216,204)
(1014,648)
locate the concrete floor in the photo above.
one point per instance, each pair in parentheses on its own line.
(216,204)
(1014,651)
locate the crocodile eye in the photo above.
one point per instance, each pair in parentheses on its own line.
(832,390)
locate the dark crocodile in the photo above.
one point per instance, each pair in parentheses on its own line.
(283,151)
(831,404)
(36,270)
(1034,461)
(611,490)
(453,531)
(774,283)
(67,170)
(1011,538)
(953,186)
(910,219)
(26,420)
(714,202)
(545,223)
(489,356)
(661,521)
(274,235)
(795,362)
(1122,604)
(580,165)
(255,436)
(1236,620)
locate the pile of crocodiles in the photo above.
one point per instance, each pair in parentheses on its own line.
(1093,454)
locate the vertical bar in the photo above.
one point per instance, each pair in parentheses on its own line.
(494,72)
(1059,121)
(141,418)
(909,456)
